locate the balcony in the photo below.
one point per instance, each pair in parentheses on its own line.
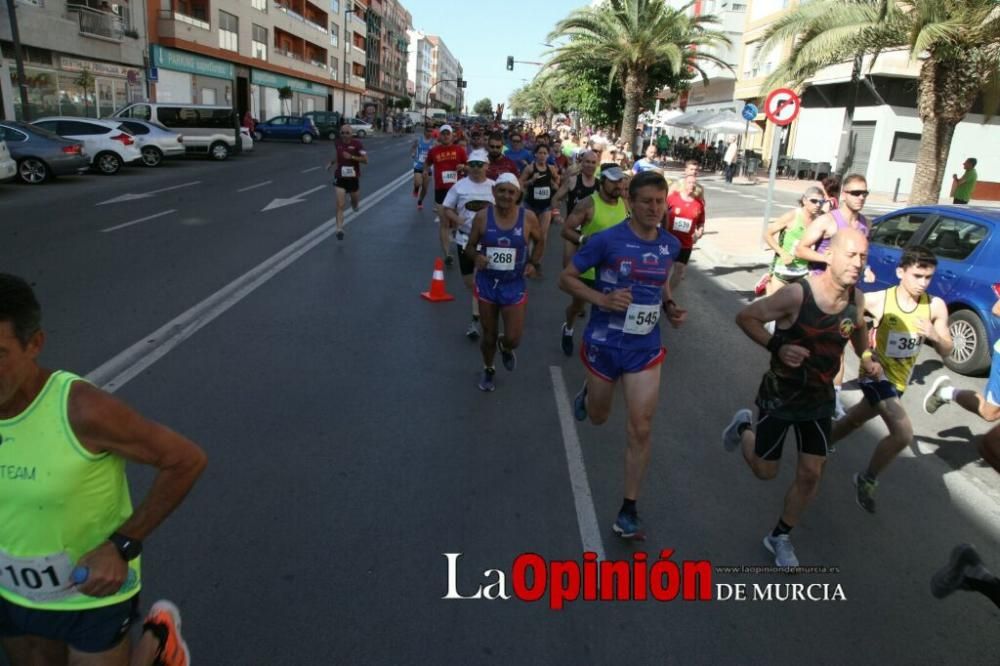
(192,12)
(97,23)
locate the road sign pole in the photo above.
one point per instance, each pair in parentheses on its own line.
(775,147)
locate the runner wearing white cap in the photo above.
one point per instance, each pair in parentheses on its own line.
(461,203)
(448,161)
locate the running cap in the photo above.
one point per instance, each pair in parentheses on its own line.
(613,173)
(445,128)
(479,155)
(509,179)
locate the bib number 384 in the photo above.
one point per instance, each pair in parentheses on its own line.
(500,258)
(36,578)
(903,345)
(641,319)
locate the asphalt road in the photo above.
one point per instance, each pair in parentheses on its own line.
(349,448)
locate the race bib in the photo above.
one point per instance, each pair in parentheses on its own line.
(347,172)
(682,224)
(641,319)
(542,193)
(902,345)
(501,258)
(37,579)
(461,238)
(449,177)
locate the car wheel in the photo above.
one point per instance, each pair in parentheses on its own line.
(361,134)
(107,163)
(218,151)
(971,355)
(151,156)
(32,171)
(307,137)
(258,136)
(332,136)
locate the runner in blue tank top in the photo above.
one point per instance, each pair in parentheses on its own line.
(418,152)
(633,261)
(498,243)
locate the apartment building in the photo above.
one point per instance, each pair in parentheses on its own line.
(418,67)
(718,94)
(386,50)
(885,125)
(446,70)
(81,57)
(246,52)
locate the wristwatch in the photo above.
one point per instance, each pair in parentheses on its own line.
(128,547)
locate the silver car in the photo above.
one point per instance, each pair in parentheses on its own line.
(154,140)
(40,154)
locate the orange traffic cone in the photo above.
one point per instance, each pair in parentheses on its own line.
(437,293)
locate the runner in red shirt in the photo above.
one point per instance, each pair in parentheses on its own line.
(685,219)
(349,156)
(448,160)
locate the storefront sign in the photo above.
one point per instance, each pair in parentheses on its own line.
(99,68)
(270,80)
(179,61)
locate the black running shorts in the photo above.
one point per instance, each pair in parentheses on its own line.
(812,437)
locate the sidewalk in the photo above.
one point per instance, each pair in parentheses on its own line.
(735,241)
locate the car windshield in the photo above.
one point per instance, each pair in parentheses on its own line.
(35,129)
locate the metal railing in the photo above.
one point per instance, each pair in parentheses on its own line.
(98,23)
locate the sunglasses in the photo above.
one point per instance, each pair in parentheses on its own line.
(857,193)
(815,202)
(476,164)
(496,147)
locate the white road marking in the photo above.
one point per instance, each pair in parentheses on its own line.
(141,219)
(146,195)
(125,366)
(295,198)
(252,187)
(586,516)
(310,169)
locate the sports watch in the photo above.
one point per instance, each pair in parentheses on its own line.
(128,548)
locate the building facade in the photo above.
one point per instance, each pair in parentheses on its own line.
(445,73)
(81,57)
(418,67)
(718,94)
(386,50)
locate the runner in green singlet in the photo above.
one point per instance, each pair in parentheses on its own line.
(783,236)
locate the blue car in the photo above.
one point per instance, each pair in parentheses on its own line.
(287,127)
(966,241)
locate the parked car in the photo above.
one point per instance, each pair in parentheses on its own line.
(360,127)
(107,142)
(287,127)
(966,242)
(327,122)
(8,167)
(41,154)
(213,130)
(154,140)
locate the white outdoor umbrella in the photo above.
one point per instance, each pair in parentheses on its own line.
(731,126)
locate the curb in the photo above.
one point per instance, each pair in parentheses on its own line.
(719,258)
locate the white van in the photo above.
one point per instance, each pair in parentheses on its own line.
(214,130)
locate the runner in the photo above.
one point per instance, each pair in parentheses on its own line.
(815,317)
(421,146)
(448,160)
(649,162)
(64,503)
(783,236)
(905,316)
(504,232)
(691,168)
(578,182)
(602,210)
(817,239)
(622,342)
(499,163)
(517,153)
(349,156)
(460,206)
(685,219)
(540,179)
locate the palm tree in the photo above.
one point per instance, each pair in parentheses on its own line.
(957,42)
(634,37)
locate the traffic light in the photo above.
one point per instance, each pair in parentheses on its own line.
(510,63)
(462,83)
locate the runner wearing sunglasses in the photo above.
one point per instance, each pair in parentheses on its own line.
(783,236)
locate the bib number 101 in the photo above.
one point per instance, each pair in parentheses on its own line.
(31,578)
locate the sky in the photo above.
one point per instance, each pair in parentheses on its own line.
(482,34)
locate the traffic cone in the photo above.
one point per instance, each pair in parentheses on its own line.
(437,292)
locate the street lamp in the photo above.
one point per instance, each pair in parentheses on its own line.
(348,9)
(427,98)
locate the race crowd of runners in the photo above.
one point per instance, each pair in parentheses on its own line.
(69,579)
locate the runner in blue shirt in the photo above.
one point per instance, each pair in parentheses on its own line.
(421,147)
(633,261)
(517,153)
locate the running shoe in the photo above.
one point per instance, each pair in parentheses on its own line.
(164,622)
(472,332)
(933,401)
(340,234)
(964,560)
(731,435)
(508,357)
(580,404)
(415,193)
(567,341)
(628,526)
(449,260)
(781,547)
(355,208)
(865,494)
(420,205)
(486,383)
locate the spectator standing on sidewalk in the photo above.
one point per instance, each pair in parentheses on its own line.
(729,159)
(963,186)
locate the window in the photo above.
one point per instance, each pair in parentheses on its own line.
(10,135)
(905,147)
(77,128)
(334,34)
(229,32)
(954,239)
(259,5)
(258,46)
(181,116)
(897,231)
(140,111)
(335,6)
(334,67)
(135,128)
(359,70)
